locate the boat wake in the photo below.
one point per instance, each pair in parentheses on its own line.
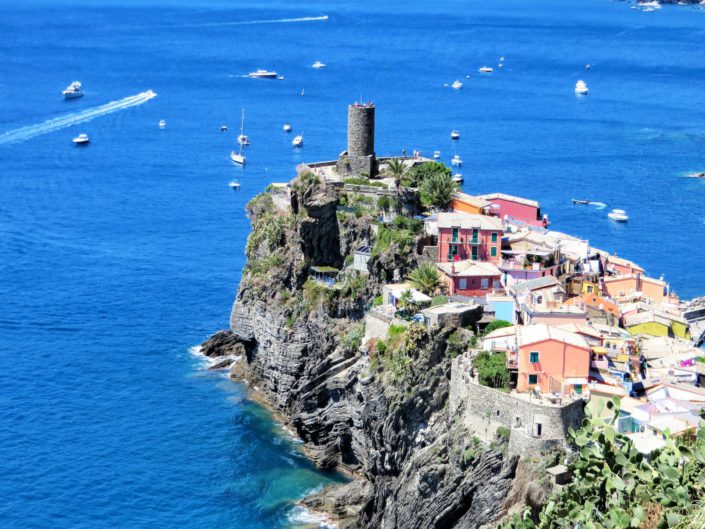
(253,22)
(52,125)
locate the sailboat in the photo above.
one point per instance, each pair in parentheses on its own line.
(238,157)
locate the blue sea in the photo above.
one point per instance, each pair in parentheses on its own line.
(118,258)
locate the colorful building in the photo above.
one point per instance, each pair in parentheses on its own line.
(470,278)
(656,323)
(503,306)
(636,285)
(464,203)
(552,360)
(517,208)
(622,266)
(465,236)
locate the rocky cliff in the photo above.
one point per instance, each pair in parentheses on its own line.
(382,415)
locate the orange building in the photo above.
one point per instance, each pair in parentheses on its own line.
(630,284)
(596,302)
(552,359)
(464,203)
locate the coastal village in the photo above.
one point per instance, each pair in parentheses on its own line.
(545,323)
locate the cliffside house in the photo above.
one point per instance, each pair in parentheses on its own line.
(464,236)
(326,275)
(543,291)
(464,203)
(551,360)
(470,278)
(502,339)
(392,293)
(617,265)
(517,208)
(453,314)
(361,258)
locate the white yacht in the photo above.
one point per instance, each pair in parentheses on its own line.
(287,127)
(486,69)
(298,141)
(454,135)
(234,184)
(436,155)
(81,139)
(162,124)
(263,74)
(457,85)
(650,6)
(73,91)
(238,157)
(581,88)
(618,215)
(456,161)
(458,178)
(318,65)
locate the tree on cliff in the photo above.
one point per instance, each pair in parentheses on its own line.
(396,169)
(426,279)
(439,189)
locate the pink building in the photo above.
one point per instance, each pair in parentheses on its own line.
(466,236)
(470,278)
(517,208)
(622,266)
(552,359)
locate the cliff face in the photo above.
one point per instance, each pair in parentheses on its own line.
(384,418)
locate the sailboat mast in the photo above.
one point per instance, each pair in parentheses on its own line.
(242,131)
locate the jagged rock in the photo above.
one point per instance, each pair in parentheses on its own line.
(343,503)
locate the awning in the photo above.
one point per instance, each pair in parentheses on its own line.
(574,381)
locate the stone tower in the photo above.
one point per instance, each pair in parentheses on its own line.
(359,159)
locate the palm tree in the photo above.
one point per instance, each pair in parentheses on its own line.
(396,169)
(439,188)
(407,304)
(426,279)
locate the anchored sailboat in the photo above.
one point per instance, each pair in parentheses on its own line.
(238,157)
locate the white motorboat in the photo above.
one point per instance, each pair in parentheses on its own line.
(234,184)
(454,135)
(318,65)
(456,161)
(162,124)
(650,6)
(298,141)
(263,74)
(436,155)
(238,157)
(223,128)
(618,215)
(588,66)
(581,88)
(500,65)
(457,85)
(243,139)
(501,59)
(486,69)
(73,91)
(81,139)
(280,78)
(287,127)
(458,178)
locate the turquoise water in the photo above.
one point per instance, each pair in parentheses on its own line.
(117,258)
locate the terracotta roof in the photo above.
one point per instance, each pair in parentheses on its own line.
(541,332)
(469,221)
(469,268)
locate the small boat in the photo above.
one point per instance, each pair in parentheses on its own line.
(262,74)
(457,85)
(576,201)
(302,92)
(162,124)
(81,139)
(454,135)
(234,184)
(486,69)
(223,128)
(598,205)
(618,215)
(73,91)
(456,161)
(318,65)
(436,155)
(298,141)
(243,140)
(500,65)
(650,6)
(280,78)
(238,157)
(588,66)
(458,178)
(581,88)
(695,175)
(287,127)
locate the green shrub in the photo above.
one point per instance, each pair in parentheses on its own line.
(415,176)
(496,324)
(454,345)
(352,340)
(396,330)
(377,301)
(357,181)
(384,203)
(492,370)
(381,347)
(439,300)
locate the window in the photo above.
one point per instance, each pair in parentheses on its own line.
(533,379)
(474,253)
(463,284)
(455,235)
(494,237)
(493,251)
(496,284)
(534,357)
(578,389)
(484,283)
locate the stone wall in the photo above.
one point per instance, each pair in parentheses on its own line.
(538,424)
(361,130)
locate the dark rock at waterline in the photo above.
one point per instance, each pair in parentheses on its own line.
(223,343)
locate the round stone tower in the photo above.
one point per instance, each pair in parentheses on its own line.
(361,129)
(359,159)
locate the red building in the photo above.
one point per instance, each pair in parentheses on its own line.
(471,278)
(465,236)
(516,208)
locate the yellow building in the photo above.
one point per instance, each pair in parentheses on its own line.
(655,323)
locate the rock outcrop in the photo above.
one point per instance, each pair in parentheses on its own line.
(382,416)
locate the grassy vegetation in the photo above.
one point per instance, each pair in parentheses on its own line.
(402,232)
(492,370)
(357,181)
(439,300)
